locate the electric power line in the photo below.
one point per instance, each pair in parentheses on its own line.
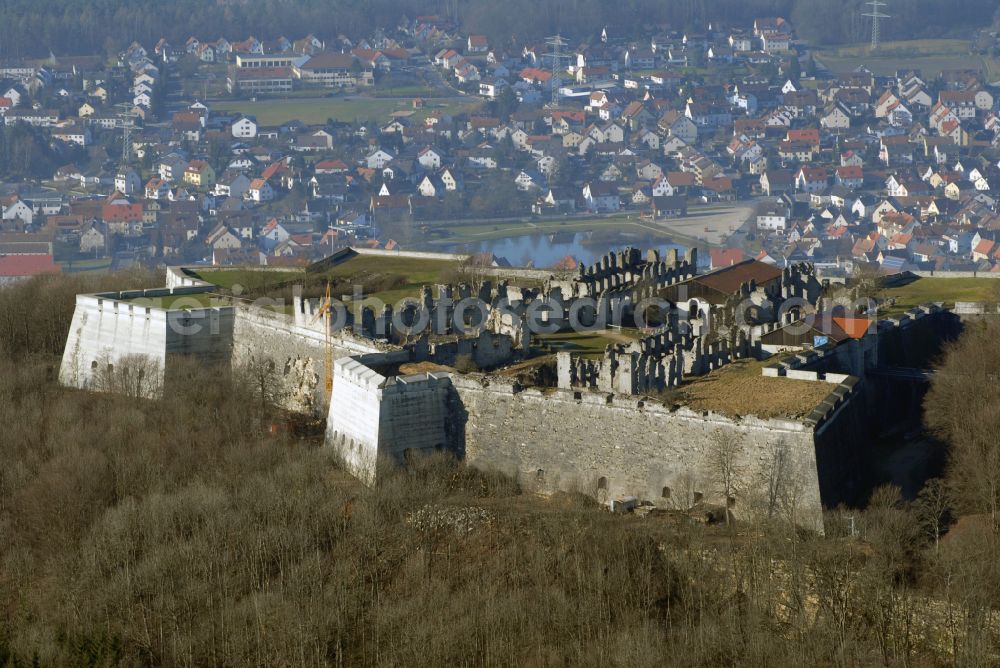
(875,15)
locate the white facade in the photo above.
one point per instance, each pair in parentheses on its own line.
(244,129)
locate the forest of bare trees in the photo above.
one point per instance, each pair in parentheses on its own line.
(65,27)
(188,532)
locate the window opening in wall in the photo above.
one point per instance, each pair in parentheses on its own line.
(602,483)
(665,492)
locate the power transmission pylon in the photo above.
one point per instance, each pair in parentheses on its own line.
(127,121)
(875,15)
(555,44)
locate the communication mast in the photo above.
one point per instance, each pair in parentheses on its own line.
(556,44)
(875,15)
(126,120)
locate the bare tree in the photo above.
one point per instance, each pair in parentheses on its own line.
(775,472)
(868,282)
(134,376)
(473,271)
(725,459)
(932,508)
(260,373)
(961,409)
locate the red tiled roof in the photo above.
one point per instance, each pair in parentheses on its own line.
(856,328)
(121,212)
(16,266)
(809,136)
(724,257)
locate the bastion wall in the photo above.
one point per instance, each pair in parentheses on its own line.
(110,327)
(612,446)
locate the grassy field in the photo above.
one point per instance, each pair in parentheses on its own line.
(740,389)
(405,276)
(98,264)
(901,298)
(588,344)
(247,278)
(930,56)
(317,110)
(364,269)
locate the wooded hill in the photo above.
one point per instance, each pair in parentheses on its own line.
(38,27)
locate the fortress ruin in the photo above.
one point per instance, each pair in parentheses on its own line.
(476,369)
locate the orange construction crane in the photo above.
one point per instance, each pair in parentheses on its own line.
(326,312)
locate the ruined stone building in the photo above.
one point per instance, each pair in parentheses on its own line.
(590,427)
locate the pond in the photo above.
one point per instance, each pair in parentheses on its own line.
(545,250)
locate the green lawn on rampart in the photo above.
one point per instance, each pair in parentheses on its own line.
(896,300)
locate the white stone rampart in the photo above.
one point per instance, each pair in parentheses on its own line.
(106,330)
(374,418)
(178,277)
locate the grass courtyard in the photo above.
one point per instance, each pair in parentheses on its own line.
(182,302)
(385,278)
(589,344)
(740,388)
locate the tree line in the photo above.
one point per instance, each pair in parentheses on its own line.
(36,28)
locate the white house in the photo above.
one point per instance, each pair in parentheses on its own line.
(19,211)
(773,218)
(378,159)
(127,182)
(429,158)
(245,128)
(601,196)
(260,191)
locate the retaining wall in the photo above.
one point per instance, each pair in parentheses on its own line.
(612,446)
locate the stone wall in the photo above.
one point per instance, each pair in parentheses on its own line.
(610,446)
(297,350)
(376,418)
(105,330)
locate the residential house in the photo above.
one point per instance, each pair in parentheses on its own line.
(199,173)
(601,197)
